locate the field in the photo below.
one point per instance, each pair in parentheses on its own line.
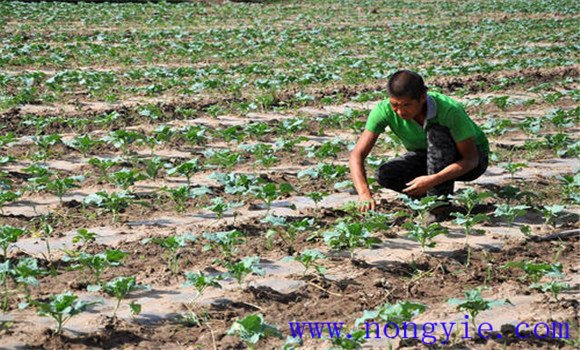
(180,171)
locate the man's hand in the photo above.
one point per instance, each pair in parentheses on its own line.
(419,185)
(366,202)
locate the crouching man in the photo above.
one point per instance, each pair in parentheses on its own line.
(444,145)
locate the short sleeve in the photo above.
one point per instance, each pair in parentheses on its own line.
(377,120)
(460,125)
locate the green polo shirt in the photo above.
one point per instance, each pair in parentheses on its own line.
(441,110)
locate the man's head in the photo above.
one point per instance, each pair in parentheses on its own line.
(407,93)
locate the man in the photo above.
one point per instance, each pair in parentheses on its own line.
(444,145)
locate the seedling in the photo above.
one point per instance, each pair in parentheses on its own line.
(469,198)
(120,287)
(225,158)
(122,139)
(85,237)
(59,187)
(7,197)
(317,197)
(535,271)
(179,195)
(61,308)
(422,206)
(219,206)
(551,212)
(244,267)
(308,257)
(287,231)
(570,184)
(512,168)
(424,234)
(474,304)
(44,143)
(25,274)
(328,172)
(201,281)
(354,342)
(113,202)
(187,169)
(104,165)
(270,192)
(510,212)
(349,236)
(9,235)
(152,167)
(173,246)
(83,144)
(97,263)
(226,242)
(126,178)
(555,287)
(403,311)
(251,329)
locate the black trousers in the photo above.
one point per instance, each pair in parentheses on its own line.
(441,152)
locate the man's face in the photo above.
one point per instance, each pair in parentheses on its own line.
(407,107)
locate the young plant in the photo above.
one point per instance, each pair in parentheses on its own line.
(226,242)
(179,195)
(288,231)
(44,144)
(187,169)
(270,192)
(555,287)
(85,237)
(422,206)
(25,275)
(153,166)
(7,197)
(120,287)
(551,212)
(570,185)
(244,267)
(251,329)
(219,206)
(59,187)
(96,263)
(402,311)
(173,246)
(201,281)
(113,202)
(83,144)
(474,304)
(9,235)
(349,236)
(225,158)
(104,165)
(122,139)
(308,257)
(535,271)
(5,273)
(510,212)
(469,198)
(512,168)
(317,197)
(126,178)
(61,308)
(424,234)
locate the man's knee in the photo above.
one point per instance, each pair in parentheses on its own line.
(387,177)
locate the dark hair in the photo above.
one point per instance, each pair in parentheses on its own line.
(406,83)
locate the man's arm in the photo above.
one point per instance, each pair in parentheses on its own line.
(469,160)
(358,155)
